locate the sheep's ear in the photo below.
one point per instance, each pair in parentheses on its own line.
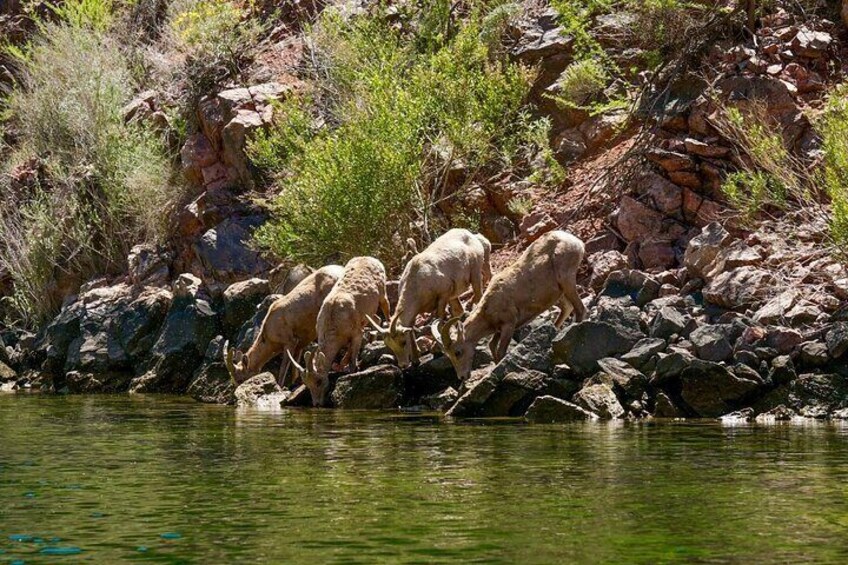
(307,362)
(320,359)
(238,357)
(228,361)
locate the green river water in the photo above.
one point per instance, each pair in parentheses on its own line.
(116,479)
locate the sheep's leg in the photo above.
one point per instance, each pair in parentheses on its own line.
(384,306)
(441,308)
(283,375)
(569,290)
(503,342)
(353,352)
(493,344)
(456,307)
(476,286)
(565,309)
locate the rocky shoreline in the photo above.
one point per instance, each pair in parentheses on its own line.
(728,335)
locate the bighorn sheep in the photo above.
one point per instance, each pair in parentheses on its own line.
(434,279)
(360,292)
(288,327)
(544,275)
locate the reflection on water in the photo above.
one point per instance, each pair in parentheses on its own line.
(161,479)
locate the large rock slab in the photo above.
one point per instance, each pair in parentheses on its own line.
(212,382)
(739,288)
(599,399)
(819,395)
(702,251)
(375,388)
(582,345)
(260,391)
(241,300)
(190,325)
(711,390)
(837,340)
(711,343)
(225,251)
(431,377)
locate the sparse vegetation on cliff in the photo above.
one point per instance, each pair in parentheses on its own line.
(402,104)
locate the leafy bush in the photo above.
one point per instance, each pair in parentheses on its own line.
(834,130)
(582,82)
(91,14)
(750,192)
(776,176)
(392,103)
(108,183)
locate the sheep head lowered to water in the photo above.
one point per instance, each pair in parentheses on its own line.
(433,280)
(543,276)
(288,327)
(359,293)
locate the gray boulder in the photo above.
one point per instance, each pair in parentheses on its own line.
(664,407)
(212,382)
(702,251)
(711,390)
(189,327)
(601,400)
(240,302)
(430,377)
(837,340)
(711,343)
(225,253)
(79,382)
(813,354)
(668,322)
(818,396)
(643,352)
(260,391)
(627,382)
(582,345)
(441,401)
(375,388)
(742,287)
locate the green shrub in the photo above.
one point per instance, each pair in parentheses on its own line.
(582,82)
(776,176)
(833,127)
(751,192)
(108,183)
(360,185)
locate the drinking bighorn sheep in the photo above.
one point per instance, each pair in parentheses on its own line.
(544,275)
(288,327)
(432,280)
(360,292)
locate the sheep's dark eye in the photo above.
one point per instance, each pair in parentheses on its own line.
(458,352)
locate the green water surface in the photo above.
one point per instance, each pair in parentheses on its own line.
(105,479)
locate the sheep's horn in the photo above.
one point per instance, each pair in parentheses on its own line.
(374,322)
(295,363)
(228,361)
(437,335)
